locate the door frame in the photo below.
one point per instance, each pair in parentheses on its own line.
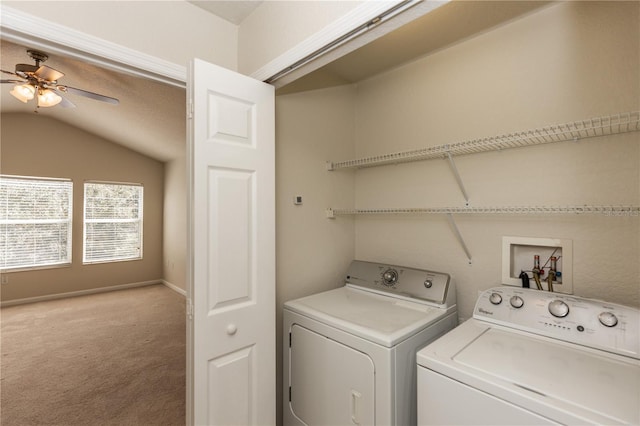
(22,28)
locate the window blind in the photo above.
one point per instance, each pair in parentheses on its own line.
(35,222)
(112,222)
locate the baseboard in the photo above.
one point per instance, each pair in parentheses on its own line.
(78,293)
(175,288)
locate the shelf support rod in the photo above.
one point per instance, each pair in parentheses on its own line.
(458,235)
(458,178)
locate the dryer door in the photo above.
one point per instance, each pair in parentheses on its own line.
(330,383)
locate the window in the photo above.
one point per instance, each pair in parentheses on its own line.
(35,222)
(112,222)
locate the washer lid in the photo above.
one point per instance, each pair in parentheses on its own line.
(381,319)
(562,381)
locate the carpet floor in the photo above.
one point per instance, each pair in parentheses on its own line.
(114,358)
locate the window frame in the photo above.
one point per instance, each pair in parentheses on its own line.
(139,219)
(69,221)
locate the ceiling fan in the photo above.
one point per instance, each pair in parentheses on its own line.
(41,82)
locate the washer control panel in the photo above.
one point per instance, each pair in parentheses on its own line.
(589,322)
(402,281)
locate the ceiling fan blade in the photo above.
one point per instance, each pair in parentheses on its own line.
(12,81)
(66,103)
(88,94)
(10,73)
(48,73)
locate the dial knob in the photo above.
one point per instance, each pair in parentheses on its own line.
(389,277)
(516,302)
(608,319)
(558,308)
(495,298)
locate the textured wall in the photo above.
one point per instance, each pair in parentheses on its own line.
(175,223)
(35,145)
(312,252)
(564,63)
(568,62)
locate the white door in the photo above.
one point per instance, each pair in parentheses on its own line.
(231,337)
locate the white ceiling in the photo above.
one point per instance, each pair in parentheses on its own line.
(232,11)
(151,116)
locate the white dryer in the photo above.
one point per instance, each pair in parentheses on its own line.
(349,353)
(534,357)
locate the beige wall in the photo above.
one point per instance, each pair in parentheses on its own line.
(35,145)
(312,253)
(175,223)
(175,31)
(572,61)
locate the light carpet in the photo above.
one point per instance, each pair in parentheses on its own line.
(114,358)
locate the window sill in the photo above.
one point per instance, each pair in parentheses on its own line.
(101,262)
(34,268)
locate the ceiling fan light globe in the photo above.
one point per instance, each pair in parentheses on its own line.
(48,98)
(23,92)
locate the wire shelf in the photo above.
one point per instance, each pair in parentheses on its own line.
(589,128)
(611,210)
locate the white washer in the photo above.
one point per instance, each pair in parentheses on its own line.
(349,353)
(534,357)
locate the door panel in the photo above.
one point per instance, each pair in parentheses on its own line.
(231,236)
(231,119)
(231,248)
(232,404)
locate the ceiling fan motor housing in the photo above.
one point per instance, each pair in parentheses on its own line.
(27,70)
(37,56)
(23,69)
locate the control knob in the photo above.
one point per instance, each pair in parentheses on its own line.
(558,308)
(608,319)
(389,277)
(516,302)
(495,298)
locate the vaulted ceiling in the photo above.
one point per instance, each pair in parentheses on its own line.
(150,118)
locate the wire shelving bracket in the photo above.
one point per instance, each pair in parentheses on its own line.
(458,235)
(454,169)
